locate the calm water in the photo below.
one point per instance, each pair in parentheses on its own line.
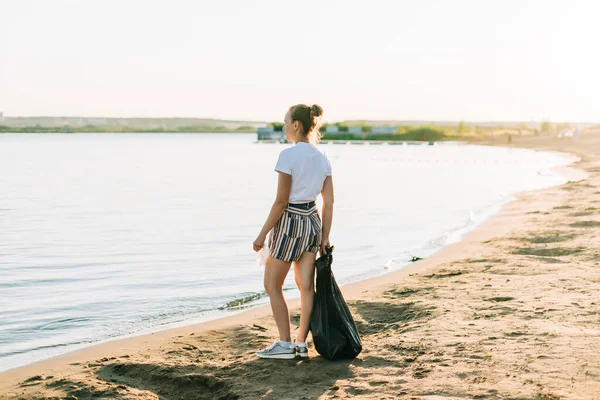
(108,235)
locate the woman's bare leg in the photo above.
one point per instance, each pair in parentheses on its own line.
(304,272)
(275,273)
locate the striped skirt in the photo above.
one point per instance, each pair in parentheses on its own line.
(296,231)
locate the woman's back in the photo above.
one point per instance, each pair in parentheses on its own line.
(309,168)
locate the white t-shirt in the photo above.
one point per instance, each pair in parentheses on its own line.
(308,167)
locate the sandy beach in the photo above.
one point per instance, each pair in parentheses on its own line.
(510,312)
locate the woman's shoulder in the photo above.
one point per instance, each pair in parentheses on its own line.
(322,152)
(302,151)
(286,150)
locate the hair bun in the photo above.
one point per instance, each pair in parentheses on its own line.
(316,111)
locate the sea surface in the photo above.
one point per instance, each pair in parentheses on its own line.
(112,235)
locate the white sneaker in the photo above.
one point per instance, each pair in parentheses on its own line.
(277,350)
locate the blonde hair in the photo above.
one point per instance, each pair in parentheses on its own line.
(310,119)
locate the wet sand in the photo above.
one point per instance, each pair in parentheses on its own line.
(510,312)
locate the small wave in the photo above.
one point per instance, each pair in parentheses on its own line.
(38,348)
(401,261)
(243,301)
(252,297)
(472,221)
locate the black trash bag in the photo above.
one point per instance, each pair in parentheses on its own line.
(334,332)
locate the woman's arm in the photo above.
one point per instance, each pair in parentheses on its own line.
(284,187)
(327,211)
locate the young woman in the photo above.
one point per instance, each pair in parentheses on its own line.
(304,172)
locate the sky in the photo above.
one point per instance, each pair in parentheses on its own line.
(472,60)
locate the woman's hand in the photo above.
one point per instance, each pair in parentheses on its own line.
(259,242)
(324,243)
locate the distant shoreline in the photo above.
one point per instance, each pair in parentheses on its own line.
(427,136)
(406,134)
